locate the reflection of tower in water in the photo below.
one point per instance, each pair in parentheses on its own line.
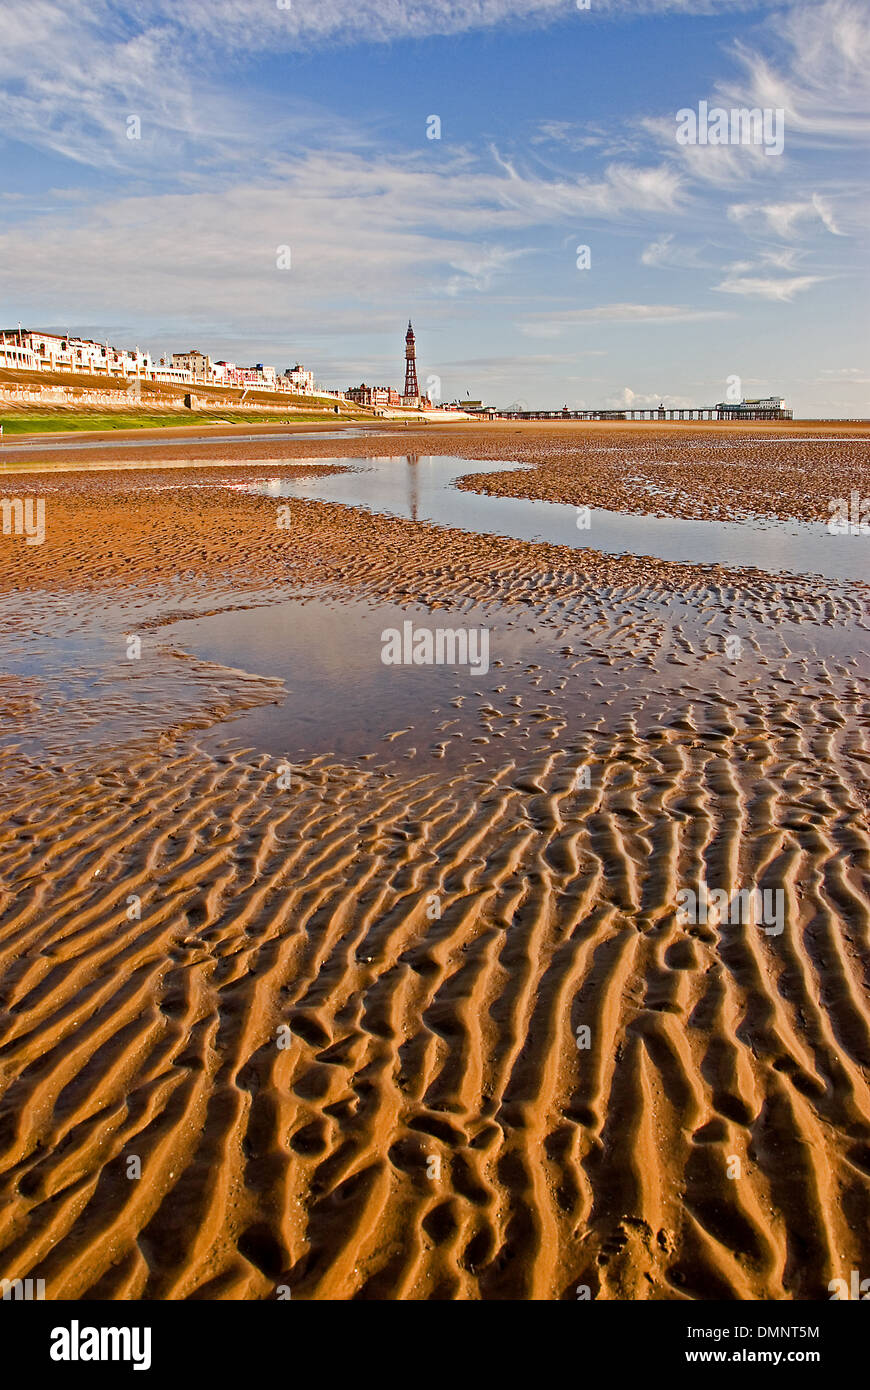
(412,461)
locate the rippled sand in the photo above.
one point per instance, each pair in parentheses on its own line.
(431,1129)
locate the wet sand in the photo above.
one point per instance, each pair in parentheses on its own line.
(430,923)
(701,471)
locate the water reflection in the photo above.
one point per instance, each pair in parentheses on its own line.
(422,489)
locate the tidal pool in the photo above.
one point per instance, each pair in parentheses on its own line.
(422,489)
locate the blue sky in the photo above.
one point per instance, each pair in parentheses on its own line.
(305,126)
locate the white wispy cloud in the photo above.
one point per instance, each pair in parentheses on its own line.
(761,287)
(553,324)
(785,258)
(811,60)
(623,189)
(783,219)
(609,141)
(709,167)
(819,74)
(850,377)
(352,224)
(658,252)
(251,24)
(666,251)
(477,269)
(71,71)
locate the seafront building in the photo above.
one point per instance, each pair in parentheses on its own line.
(373,395)
(300,379)
(200,367)
(26,350)
(764,408)
(30,350)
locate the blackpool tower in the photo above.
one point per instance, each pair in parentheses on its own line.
(411,387)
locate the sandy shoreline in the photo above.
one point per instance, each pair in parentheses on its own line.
(433,1128)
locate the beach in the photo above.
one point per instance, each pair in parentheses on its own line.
(327,979)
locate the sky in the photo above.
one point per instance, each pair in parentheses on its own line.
(258,179)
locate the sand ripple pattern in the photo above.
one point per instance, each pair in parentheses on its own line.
(429,942)
(432,1129)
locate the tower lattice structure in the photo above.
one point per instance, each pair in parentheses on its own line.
(411,387)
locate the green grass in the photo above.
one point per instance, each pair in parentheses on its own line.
(63,421)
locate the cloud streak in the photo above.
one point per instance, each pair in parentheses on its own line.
(760,287)
(554,324)
(783,219)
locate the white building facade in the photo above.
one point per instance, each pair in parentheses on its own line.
(32,351)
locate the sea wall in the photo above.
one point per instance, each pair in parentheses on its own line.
(63,395)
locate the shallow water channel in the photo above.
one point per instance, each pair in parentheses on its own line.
(422,489)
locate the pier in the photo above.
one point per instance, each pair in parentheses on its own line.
(713,412)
